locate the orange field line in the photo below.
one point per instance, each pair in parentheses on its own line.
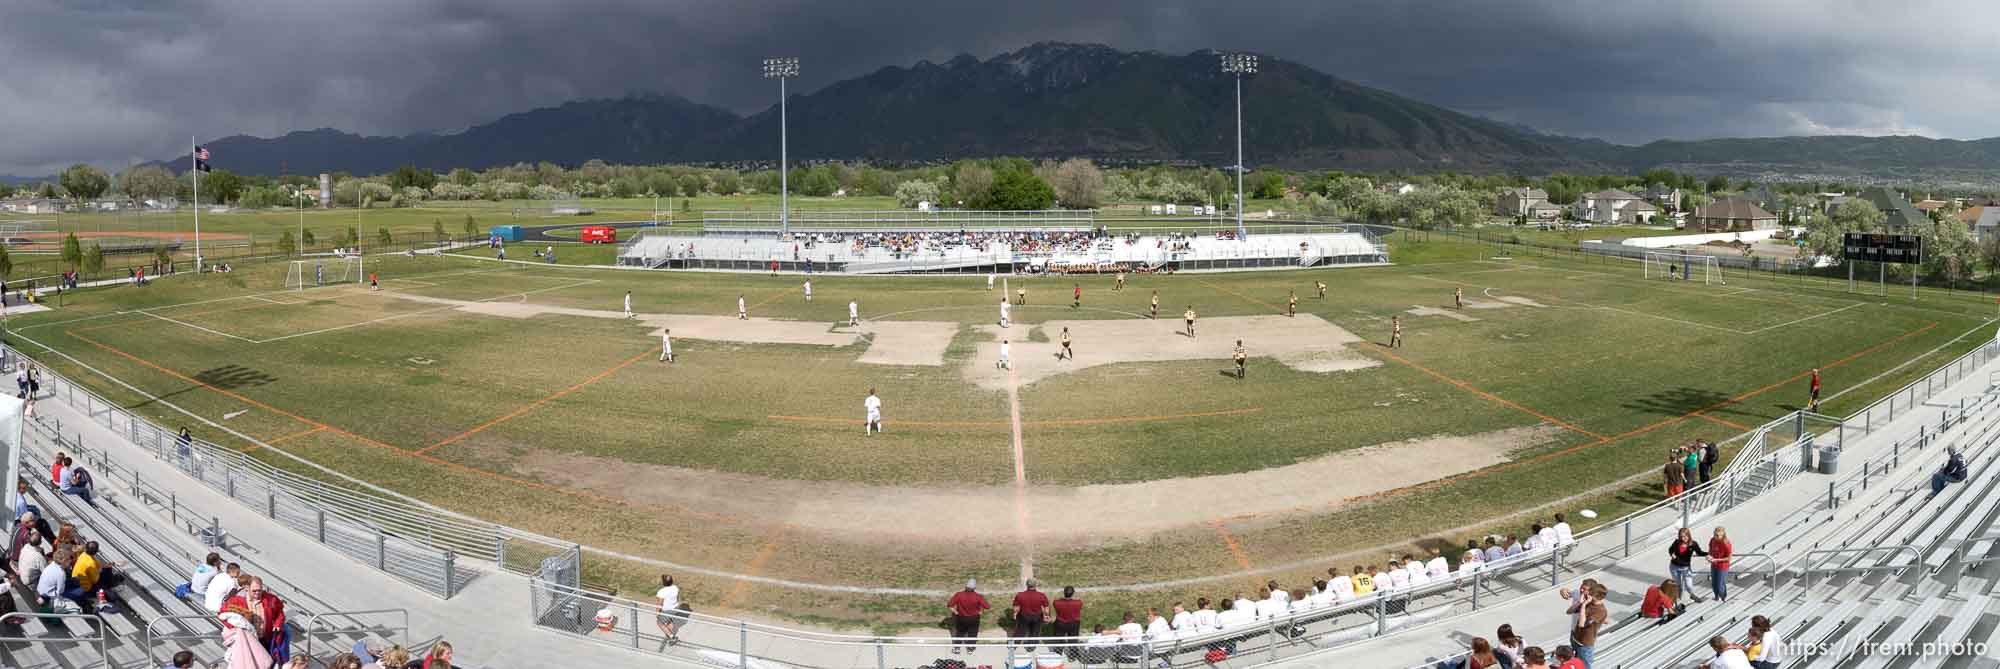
(294,435)
(774,296)
(755,567)
(1490,396)
(1274,308)
(1235,549)
(511,480)
(1034,423)
(531,406)
(1724,423)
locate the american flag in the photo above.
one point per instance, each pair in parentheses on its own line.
(201,159)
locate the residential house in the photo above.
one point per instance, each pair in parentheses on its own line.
(1929,206)
(32,205)
(1764,198)
(1665,196)
(1544,210)
(1614,207)
(1984,221)
(1398,187)
(1899,215)
(1733,214)
(1514,202)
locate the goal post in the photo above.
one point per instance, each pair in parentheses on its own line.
(295,277)
(1679,266)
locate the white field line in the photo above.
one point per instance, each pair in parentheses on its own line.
(337,328)
(1802,320)
(1665,318)
(218,333)
(1911,361)
(127,312)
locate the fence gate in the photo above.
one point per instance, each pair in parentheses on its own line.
(555,586)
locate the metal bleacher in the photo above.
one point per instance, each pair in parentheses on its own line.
(154,540)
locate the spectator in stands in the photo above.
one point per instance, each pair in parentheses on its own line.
(1342,586)
(65,536)
(1322,595)
(1233,619)
(1204,617)
(1583,637)
(1098,649)
(204,572)
(1766,649)
(1482,656)
(1709,456)
(266,615)
(1563,535)
(1183,620)
(1547,536)
(1691,463)
(238,637)
(1510,645)
(1245,605)
(91,574)
(1280,593)
(56,467)
(1953,471)
(1364,584)
(1679,556)
(1532,657)
(1719,550)
(344,661)
(1513,546)
(1535,538)
(966,607)
(76,481)
(671,616)
(185,660)
(1438,567)
(1494,551)
(1069,614)
(21,505)
(1675,476)
(1029,610)
(25,526)
(184,445)
(395,657)
(1399,578)
(1727,655)
(1270,604)
(439,657)
(1566,659)
(49,586)
(1157,627)
(221,588)
(1420,575)
(1663,602)
(32,560)
(1130,631)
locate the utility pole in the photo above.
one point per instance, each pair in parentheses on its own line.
(1240,65)
(782,69)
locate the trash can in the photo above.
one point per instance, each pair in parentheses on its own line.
(1806,455)
(1829,460)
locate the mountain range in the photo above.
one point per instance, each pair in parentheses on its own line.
(1071,100)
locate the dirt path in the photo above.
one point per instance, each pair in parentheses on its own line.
(1090,514)
(1306,342)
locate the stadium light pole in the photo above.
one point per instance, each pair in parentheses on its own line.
(782,69)
(1239,65)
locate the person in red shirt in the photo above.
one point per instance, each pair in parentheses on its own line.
(966,606)
(1030,605)
(1812,404)
(1567,659)
(1662,602)
(1719,550)
(1076,301)
(55,469)
(1069,614)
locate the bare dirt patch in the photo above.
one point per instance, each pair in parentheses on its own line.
(1091,514)
(1523,301)
(906,342)
(1447,313)
(1306,342)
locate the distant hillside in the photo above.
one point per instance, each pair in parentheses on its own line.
(1063,100)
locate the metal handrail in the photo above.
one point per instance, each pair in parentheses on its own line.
(1806,573)
(147,635)
(311,629)
(103,637)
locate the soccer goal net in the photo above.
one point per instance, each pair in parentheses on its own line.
(323,271)
(1683,267)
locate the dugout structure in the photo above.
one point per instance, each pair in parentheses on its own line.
(1683,267)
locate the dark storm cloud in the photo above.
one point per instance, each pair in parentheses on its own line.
(114,82)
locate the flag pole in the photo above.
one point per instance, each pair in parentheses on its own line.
(195,168)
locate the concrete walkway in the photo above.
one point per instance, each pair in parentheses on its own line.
(1539,619)
(487,622)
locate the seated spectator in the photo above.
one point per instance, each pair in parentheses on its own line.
(1204,617)
(76,481)
(1510,645)
(203,573)
(1399,578)
(1270,604)
(1183,621)
(344,661)
(1438,567)
(26,527)
(65,536)
(21,505)
(1494,551)
(90,576)
(1534,538)
(49,586)
(1322,595)
(439,657)
(1157,627)
(1663,602)
(56,467)
(1420,575)
(1566,659)
(1342,586)
(1513,546)
(1472,554)
(182,660)
(1280,593)
(1563,535)
(1098,649)
(1244,605)
(1130,631)
(1548,537)
(1766,649)
(1727,655)
(1364,583)
(32,560)
(1532,657)
(1953,471)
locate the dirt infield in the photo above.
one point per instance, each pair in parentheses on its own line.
(1090,514)
(1307,343)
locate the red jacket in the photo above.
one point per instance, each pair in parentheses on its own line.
(1719,551)
(1656,603)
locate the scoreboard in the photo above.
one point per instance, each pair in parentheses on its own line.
(1883,247)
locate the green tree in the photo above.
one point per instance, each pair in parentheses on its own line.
(692,185)
(72,251)
(437,228)
(1825,233)
(287,245)
(6,262)
(727,183)
(382,237)
(161,256)
(410,176)
(1219,188)
(146,182)
(1018,190)
(349,237)
(221,186)
(1270,186)
(84,182)
(307,238)
(1949,252)
(1077,182)
(1717,184)
(970,183)
(463,177)
(911,192)
(471,227)
(93,260)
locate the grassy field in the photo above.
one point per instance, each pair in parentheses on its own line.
(565,423)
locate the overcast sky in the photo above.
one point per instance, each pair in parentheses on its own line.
(115,81)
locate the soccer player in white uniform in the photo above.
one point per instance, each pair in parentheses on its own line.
(666,346)
(809,290)
(1002,363)
(742,312)
(1005,310)
(853,313)
(874,406)
(989,286)
(628,305)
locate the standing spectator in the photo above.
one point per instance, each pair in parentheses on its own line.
(1584,636)
(966,606)
(1691,464)
(1069,614)
(184,446)
(1675,476)
(1679,556)
(1719,550)
(1709,456)
(239,636)
(266,616)
(1727,655)
(1030,607)
(670,617)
